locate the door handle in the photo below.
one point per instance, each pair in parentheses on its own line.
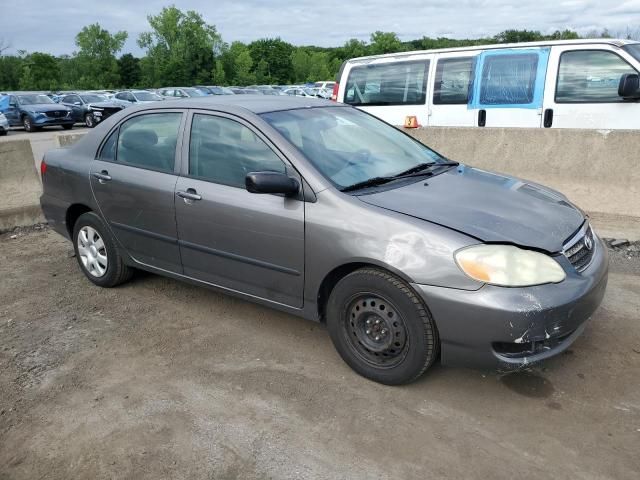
(102,177)
(189,195)
(548,118)
(482,118)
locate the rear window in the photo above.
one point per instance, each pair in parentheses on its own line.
(399,83)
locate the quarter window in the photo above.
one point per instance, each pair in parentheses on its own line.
(453,80)
(149,141)
(399,83)
(224,151)
(509,79)
(108,151)
(590,76)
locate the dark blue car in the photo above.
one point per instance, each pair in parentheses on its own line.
(34,111)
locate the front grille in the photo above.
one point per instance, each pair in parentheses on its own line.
(56,114)
(580,249)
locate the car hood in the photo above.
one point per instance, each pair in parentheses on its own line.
(105,104)
(487,206)
(43,107)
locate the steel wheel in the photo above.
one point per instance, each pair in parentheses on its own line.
(92,251)
(376,330)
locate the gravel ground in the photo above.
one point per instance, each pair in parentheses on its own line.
(159,379)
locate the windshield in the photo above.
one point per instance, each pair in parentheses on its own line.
(634,50)
(147,96)
(34,99)
(93,98)
(348,146)
(194,92)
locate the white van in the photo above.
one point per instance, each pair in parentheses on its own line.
(555,84)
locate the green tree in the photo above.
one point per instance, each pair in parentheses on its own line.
(180,48)
(300,65)
(40,71)
(97,56)
(219,76)
(354,48)
(130,73)
(10,72)
(385,42)
(564,35)
(319,67)
(517,36)
(242,68)
(276,55)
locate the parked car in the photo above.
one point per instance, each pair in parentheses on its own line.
(181,92)
(325,212)
(90,108)
(550,84)
(215,90)
(36,110)
(127,98)
(297,92)
(4,125)
(327,85)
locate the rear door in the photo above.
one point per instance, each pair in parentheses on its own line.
(391,90)
(228,237)
(453,79)
(133,182)
(582,88)
(509,86)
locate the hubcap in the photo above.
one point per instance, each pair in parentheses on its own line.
(92,252)
(376,330)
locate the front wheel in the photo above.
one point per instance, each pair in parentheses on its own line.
(27,124)
(96,252)
(380,327)
(89,121)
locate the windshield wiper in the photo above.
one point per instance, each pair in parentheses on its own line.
(417,171)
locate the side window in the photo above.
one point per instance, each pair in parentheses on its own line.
(129,96)
(108,151)
(398,83)
(67,99)
(224,151)
(149,141)
(509,79)
(590,76)
(453,81)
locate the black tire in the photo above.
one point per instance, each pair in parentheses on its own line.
(89,121)
(67,127)
(116,272)
(3,132)
(370,299)
(27,124)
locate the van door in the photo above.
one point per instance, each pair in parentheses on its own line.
(509,86)
(453,79)
(391,90)
(582,88)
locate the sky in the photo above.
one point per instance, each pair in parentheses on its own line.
(43,25)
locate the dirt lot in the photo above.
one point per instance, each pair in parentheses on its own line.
(158,379)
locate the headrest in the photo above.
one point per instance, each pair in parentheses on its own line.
(139,138)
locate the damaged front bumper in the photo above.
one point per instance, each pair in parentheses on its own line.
(498,327)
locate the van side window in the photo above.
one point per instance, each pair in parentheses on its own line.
(590,76)
(398,83)
(453,79)
(509,79)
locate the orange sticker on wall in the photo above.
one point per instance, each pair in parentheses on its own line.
(411,121)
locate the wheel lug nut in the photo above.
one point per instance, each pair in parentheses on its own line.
(377,338)
(378,322)
(383,331)
(369,321)
(368,332)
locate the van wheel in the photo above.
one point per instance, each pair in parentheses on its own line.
(96,252)
(380,327)
(27,124)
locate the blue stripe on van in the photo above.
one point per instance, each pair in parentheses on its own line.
(538,92)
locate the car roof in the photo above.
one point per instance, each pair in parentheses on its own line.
(253,103)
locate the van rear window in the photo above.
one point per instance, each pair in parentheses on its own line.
(400,83)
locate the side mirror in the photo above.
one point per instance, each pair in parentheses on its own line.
(629,86)
(271,182)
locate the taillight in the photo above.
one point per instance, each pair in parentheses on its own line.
(334,94)
(43,168)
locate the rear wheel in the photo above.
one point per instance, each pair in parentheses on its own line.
(96,252)
(89,121)
(381,328)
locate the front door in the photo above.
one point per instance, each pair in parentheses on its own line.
(245,242)
(133,181)
(509,87)
(582,89)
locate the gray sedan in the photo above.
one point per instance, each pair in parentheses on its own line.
(323,211)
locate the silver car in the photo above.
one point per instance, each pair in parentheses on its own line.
(4,125)
(323,211)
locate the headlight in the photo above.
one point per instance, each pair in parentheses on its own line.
(508,266)
(41,113)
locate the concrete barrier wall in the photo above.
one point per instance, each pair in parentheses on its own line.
(598,170)
(20,186)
